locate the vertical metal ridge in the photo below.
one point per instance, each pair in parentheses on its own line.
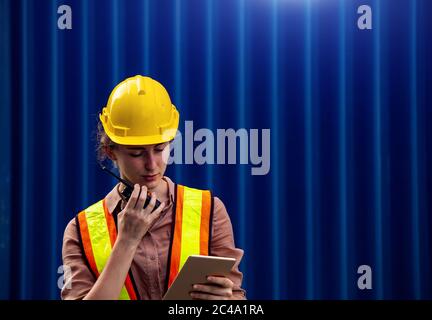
(178,73)
(5,151)
(209,79)
(342,155)
(85,161)
(54,185)
(310,230)
(241,101)
(115,56)
(416,269)
(275,128)
(115,42)
(377,150)
(26,181)
(146,38)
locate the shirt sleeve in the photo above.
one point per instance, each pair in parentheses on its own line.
(222,244)
(81,278)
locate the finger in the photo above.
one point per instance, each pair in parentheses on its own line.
(142,198)
(152,217)
(205,296)
(155,214)
(221,281)
(152,202)
(213,289)
(134,197)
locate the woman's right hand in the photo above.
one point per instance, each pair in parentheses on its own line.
(134,221)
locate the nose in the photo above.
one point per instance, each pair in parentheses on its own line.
(151,163)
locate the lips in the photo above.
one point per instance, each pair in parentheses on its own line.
(150,177)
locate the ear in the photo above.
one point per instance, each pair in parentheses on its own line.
(109,152)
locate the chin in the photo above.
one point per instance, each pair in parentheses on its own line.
(150,184)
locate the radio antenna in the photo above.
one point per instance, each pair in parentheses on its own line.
(115,176)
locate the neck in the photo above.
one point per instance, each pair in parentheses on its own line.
(161,190)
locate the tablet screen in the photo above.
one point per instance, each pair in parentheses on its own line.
(195,271)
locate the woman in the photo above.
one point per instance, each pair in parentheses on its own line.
(116,248)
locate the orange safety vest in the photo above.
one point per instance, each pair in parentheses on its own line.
(191,234)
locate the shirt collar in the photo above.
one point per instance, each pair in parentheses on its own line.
(113,197)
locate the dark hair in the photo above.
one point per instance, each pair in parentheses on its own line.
(102,142)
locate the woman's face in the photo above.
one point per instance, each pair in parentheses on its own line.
(144,165)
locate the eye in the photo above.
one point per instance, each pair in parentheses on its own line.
(158,150)
(135,155)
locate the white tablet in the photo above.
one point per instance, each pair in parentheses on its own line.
(195,271)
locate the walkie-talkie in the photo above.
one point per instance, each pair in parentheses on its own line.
(129,188)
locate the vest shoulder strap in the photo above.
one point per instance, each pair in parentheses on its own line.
(98,233)
(191,234)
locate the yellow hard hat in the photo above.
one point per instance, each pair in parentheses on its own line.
(139,112)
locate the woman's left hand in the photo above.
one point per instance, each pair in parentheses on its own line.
(217,288)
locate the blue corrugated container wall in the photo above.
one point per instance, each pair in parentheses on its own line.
(349,112)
